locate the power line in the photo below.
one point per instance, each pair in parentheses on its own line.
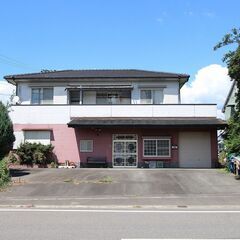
(15,63)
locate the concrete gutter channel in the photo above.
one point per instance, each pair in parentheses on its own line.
(127,207)
(176,189)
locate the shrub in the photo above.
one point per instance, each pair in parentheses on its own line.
(222,158)
(4,173)
(53,165)
(35,153)
(13,158)
(6,131)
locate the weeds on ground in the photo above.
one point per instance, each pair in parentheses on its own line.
(106,179)
(103,180)
(224,170)
(4,174)
(69,180)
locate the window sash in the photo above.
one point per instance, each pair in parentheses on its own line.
(106,97)
(86,145)
(157,96)
(151,96)
(36,96)
(156,147)
(42,96)
(38,136)
(74,97)
(146,96)
(47,96)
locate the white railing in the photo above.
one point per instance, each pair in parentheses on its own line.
(61,114)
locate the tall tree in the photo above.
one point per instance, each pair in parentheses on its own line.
(232,59)
(6,131)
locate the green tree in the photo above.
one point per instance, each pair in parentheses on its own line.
(6,131)
(232,59)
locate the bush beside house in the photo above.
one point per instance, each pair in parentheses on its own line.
(6,143)
(7,137)
(35,153)
(4,173)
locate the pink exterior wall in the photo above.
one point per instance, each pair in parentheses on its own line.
(66,141)
(62,138)
(102,141)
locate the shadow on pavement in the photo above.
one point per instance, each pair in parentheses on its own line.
(19,172)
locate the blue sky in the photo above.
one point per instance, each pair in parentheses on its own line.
(170,35)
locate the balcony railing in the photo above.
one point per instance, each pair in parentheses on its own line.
(61,114)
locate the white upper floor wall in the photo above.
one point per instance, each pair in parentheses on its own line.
(98,93)
(166,92)
(118,86)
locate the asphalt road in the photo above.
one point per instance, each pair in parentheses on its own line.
(79,224)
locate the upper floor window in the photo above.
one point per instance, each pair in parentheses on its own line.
(150,96)
(42,96)
(107,97)
(74,97)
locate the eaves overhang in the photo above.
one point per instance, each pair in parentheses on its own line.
(148,122)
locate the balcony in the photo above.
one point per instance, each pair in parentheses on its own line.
(61,114)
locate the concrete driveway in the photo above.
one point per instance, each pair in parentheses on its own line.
(122,187)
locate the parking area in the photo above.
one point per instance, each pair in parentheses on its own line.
(122,187)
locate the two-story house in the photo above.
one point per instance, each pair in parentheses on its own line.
(128,117)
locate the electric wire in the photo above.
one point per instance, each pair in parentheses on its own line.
(14,63)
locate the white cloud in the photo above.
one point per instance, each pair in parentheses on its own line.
(211,85)
(6,90)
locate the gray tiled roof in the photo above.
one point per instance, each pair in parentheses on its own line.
(97,73)
(147,122)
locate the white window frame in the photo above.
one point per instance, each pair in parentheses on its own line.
(86,150)
(141,99)
(44,141)
(152,95)
(155,139)
(41,95)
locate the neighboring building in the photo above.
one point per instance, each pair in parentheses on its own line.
(230,103)
(129,117)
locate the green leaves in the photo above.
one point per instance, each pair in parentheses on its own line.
(229,38)
(34,153)
(6,131)
(232,137)
(232,58)
(4,173)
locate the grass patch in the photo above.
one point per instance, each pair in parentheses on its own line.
(103,180)
(106,179)
(224,170)
(137,206)
(69,180)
